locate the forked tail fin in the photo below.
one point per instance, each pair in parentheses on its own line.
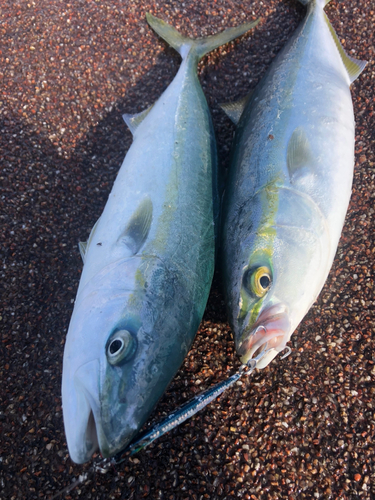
(322,3)
(354,67)
(202,45)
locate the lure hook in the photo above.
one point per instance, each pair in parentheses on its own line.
(289,350)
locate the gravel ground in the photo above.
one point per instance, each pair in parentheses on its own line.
(301,428)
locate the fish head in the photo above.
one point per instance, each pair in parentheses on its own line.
(124,345)
(263,322)
(100,345)
(281,273)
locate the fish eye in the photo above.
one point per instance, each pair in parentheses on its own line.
(115,346)
(121,347)
(258,280)
(265,281)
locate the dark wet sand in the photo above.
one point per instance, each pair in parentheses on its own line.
(301,428)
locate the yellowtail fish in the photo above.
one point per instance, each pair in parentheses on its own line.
(289,186)
(148,264)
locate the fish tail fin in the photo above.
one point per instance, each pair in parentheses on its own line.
(354,67)
(205,45)
(321,3)
(201,46)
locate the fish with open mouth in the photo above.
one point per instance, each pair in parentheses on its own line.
(288,186)
(148,264)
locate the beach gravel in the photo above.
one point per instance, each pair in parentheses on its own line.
(304,427)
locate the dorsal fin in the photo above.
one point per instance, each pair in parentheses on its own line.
(298,152)
(133,121)
(84,245)
(235,109)
(137,230)
(354,67)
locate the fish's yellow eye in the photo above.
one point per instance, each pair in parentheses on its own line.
(261,281)
(258,280)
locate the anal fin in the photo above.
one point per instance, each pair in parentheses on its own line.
(235,109)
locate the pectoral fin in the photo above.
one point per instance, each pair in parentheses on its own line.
(298,152)
(137,230)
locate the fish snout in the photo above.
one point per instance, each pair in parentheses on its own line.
(103,420)
(270,332)
(80,395)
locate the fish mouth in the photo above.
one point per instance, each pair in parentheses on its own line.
(79,413)
(91,438)
(269,333)
(90,441)
(91,423)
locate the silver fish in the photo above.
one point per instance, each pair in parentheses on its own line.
(289,186)
(148,264)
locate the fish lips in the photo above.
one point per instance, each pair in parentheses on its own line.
(90,422)
(79,408)
(270,332)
